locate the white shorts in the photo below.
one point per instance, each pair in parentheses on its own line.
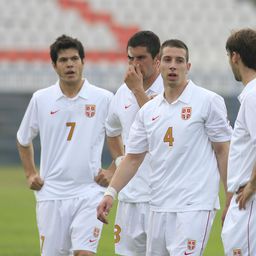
(179,233)
(239,230)
(131,226)
(69,225)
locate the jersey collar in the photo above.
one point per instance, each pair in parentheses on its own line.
(83,93)
(185,97)
(249,87)
(154,88)
(187,93)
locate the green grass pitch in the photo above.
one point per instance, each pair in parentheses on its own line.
(18,231)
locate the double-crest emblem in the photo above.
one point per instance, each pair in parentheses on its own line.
(90,110)
(191,245)
(96,232)
(237,252)
(186,113)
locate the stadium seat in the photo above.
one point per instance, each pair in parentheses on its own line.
(104,26)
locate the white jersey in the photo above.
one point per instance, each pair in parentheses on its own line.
(122,112)
(242,153)
(72,132)
(178,138)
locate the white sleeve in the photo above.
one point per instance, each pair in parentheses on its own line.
(113,125)
(29,128)
(249,114)
(137,141)
(217,125)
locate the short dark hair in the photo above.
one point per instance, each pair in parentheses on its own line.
(175,43)
(243,41)
(146,39)
(65,42)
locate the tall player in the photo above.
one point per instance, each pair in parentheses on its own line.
(239,230)
(69,117)
(186,132)
(142,81)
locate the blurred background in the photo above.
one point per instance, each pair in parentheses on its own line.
(27,28)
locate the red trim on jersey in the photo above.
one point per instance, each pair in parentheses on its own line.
(248,229)
(205,233)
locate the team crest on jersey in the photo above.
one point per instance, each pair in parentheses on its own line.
(237,252)
(191,245)
(96,232)
(90,110)
(186,113)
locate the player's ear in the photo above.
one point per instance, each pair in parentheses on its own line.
(235,57)
(188,66)
(157,60)
(54,65)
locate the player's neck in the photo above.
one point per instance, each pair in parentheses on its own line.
(248,76)
(172,93)
(71,89)
(147,83)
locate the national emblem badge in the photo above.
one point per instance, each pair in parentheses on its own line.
(90,110)
(237,252)
(191,245)
(186,113)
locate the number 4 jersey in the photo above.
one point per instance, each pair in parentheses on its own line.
(178,137)
(72,133)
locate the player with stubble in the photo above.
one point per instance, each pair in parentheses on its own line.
(186,132)
(142,82)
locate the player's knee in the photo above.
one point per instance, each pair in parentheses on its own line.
(84,253)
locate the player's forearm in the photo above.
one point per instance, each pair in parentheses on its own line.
(116,147)
(112,166)
(221,150)
(126,170)
(140,96)
(27,159)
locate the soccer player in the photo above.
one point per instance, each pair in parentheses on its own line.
(142,81)
(186,132)
(69,116)
(239,230)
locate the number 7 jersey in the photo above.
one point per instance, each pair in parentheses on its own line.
(72,133)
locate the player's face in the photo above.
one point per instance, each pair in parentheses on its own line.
(140,56)
(69,66)
(174,66)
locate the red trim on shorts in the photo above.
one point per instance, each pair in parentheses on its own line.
(205,233)
(248,229)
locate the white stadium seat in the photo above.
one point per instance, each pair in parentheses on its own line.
(204,25)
